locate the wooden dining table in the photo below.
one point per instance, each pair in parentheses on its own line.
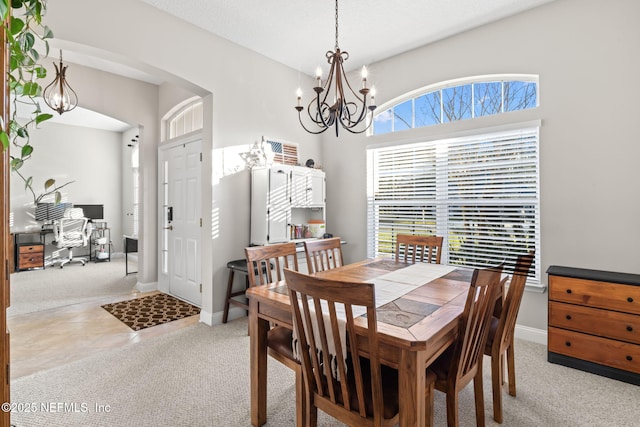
(413,330)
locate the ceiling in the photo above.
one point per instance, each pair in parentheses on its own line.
(298,33)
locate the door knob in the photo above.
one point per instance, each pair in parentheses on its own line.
(169,227)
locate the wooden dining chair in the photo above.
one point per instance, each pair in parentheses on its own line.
(355,390)
(323,254)
(462,361)
(266,264)
(501,331)
(413,248)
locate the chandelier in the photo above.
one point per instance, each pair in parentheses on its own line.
(336,103)
(58,94)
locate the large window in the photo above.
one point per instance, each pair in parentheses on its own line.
(450,102)
(480,193)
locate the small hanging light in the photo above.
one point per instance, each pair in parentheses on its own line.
(58,94)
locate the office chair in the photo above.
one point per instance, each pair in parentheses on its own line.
(71,231)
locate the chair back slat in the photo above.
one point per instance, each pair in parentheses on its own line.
(266,264)
(414,248)
(511,304)
(475,322)
(335,376)
(323,254)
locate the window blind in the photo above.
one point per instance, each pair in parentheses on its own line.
(480,193)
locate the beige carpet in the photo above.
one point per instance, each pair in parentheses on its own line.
(199,376)
(53,287)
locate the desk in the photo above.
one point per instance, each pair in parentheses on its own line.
(409,340)
(130,246)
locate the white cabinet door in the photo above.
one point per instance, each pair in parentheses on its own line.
(307,188)
(315,182)
(299,187)
(279,211)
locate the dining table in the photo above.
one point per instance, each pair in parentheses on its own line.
(418,311)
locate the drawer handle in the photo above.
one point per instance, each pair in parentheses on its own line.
(630,299)
(629,358)
(629,328)
(568,317)
(568,291)
(568,343)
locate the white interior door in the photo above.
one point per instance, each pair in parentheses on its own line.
(183,221)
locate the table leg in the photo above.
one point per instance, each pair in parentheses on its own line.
(412,383)
(258,329)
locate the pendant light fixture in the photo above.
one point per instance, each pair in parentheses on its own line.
(58,94)
(336,103)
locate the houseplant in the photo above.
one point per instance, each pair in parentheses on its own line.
(26,35)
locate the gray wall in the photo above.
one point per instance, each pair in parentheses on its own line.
(585,54)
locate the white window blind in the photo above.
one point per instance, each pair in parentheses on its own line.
(480,193)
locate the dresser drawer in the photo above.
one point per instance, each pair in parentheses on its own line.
(27,249)
(611,324)
(604,351)
(34,260)
(611,296)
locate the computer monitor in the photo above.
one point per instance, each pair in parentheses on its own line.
(48,212)
(93,212)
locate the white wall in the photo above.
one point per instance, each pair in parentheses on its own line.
(584,53)
(88,157)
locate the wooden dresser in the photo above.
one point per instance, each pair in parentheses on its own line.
(594,321)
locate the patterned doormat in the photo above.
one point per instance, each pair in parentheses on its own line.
(141,313)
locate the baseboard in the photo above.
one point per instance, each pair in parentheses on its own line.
(147,287)
(208,318)
(526,333)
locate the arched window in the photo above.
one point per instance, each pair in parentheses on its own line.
(187,119)
(460,99)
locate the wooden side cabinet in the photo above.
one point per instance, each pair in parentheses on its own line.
(29,255)
(594,322)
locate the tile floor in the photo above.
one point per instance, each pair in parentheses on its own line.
(49,338)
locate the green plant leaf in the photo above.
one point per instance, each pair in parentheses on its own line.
(5,139)
(40,72)
(28,182)
(16,4)
(26,150)
(15,25)
(16,164)
(43,117)
(58,197)
(4,9)
(22,132)
(29,40)
(48,34)
(48,183)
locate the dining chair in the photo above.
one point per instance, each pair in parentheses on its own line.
(266,264)
(462,361)
(323,254)
(339,380)
(501,331)
(413,248)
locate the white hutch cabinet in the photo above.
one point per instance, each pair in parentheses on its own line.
(282,197)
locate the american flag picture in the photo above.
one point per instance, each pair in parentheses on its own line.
(284,152)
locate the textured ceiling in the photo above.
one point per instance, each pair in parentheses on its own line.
(297,33)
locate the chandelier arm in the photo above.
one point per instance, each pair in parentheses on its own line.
(310,131)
